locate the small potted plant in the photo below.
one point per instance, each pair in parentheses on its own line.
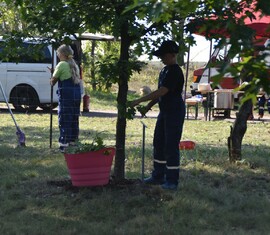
(89,164)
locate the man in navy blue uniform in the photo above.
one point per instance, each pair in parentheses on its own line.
(170,120)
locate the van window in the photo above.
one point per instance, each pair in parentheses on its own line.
(1,51)
(26,53)
(35,53)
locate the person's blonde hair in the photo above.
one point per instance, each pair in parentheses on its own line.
(68,53)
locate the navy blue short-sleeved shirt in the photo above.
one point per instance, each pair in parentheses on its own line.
(171,77)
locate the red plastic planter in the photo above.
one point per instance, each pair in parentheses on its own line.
(91,168)
(186,145)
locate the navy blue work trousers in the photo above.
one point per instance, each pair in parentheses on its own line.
(167,135)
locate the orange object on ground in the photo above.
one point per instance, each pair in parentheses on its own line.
(186,145)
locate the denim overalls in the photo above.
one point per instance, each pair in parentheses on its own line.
(68,111)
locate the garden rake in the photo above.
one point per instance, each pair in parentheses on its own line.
(19,133)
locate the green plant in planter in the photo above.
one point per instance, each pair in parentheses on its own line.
(80,147)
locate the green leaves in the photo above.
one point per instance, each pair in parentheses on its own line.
(95,145)
(131,111)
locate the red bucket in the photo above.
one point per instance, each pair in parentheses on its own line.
(91,168)
(186,145)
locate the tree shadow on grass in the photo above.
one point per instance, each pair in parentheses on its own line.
(212,194)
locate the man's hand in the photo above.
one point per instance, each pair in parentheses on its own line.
(143,110)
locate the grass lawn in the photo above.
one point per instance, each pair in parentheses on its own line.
(214,197)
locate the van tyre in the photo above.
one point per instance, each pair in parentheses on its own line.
(24,99)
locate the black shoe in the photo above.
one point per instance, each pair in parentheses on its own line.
(169,186)
(154,181)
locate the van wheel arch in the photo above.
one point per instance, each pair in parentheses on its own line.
(24,98)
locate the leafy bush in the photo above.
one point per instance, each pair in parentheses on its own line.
(95,145)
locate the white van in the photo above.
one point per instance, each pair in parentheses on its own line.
(26,77)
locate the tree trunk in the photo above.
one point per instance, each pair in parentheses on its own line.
(238,131)
(92,69)
(119,166)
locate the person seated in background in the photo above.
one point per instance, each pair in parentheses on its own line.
(145,90)
(262,98)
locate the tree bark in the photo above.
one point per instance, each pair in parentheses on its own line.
(238,131)
(119,166)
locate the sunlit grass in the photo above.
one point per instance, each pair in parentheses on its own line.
(214,195)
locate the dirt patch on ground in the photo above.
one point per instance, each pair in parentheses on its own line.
(133,186)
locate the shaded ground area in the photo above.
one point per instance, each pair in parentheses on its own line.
(134,186)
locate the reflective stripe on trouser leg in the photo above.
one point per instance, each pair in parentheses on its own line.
(63,145)
(172,154)
(159,157)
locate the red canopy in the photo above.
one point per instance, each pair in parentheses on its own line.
(261,24)
(258,22)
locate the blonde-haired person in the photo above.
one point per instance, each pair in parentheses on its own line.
(67,75)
